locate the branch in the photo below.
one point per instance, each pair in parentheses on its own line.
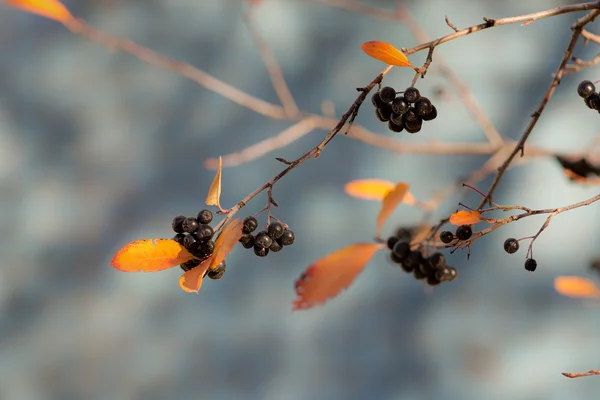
(591,372)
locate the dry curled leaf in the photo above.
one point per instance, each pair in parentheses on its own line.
(389,204)
(214,192)
(369,189)
(328,276)
(191,280)
(150,255)
(52,9)
(226,241)
(386,53)
(575,286)
(464,217)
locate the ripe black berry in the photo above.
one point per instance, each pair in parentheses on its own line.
(179,238)
(262,239)
(401,250)
(275,247)
(436,260)
(387,94)
(204,232)
(247,240)
(594,101)
(453,273)
(376,100)
(412,94)
(413,259)
(432,280)
(261,251)
(423,106)
(177,224)
(204,217)
(410,116)
(217,272)
(186,266)
(418,274)
(385,112)
(413,126)
(287,238)
(207,247)
(444,274)
(250,225)
(275,230)
(395,258)
(446,237)
(397,119)
(190,224)
(395,128)
(190,243)
(392,240)
(511,245)
(464,232)
(380,116)
(432,114)
(586,89)
(400,105)
(530,264)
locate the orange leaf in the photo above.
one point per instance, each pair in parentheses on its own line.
(214,192)
(387,53)
(226,241)
(191,280)
(369,189)
(52,9)
(390,202)
(409,199)
(574,286)
(464,217)
(150,255)
(328,276)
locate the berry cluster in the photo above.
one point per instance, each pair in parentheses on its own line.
(407,111)
(587,91)
(195,234)
(274,238)
(463,232)
(433,269)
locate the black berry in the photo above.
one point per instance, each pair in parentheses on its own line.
(400,105)
(395,127)
(464,232)
(404,234)
(380,116)
(412,95)
(218,271)
(432,280)
(401,250)
(190,243)
(385,112)
(413,259)
(179,238)
(530,264)
(586,89)
(453,273)
(423,106)
(413,126)
(261,251)
(250,225)
(391,242)
(275,230)
(177,224)
(594,101)
(387,94)
(444,274)
(205,232)
(397,119)
(432,114)
(186,266)
(207,247)
(247,240)
(262,239)
(190,225)
(204,217)
(446,237)
(395,258)
(436,260)
(410,116)
(511,245)
(287,238)
(418,274)
(275,247)
(376,100)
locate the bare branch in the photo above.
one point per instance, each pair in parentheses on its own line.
(592,372)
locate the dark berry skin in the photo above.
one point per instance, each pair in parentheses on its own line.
(275,230)
(395,128)
(190,225)
(397,119)
(287,238)
(413,126)
(204,232)
(261,251)
(418,274)
(177,224)
(386,111)
(410,116)
(511,245)
(412,94)
(453,273)
(432,280)
(530,264)
(250,225)
(179,238)
(387,94)
(376,100)
(436,260)
(217,272)
(464,232)
(400,105)
(401,250)
(247,240)
(395,258)
(275,247)
(414,259)
(432,114)
(380,116)
(190,243)
(444,274)
(186,266)
(262,239)
(392,240)
(204,217)
(423,106)
(404,234)
(446,237)
(586,89)
(207,248)
(594,101)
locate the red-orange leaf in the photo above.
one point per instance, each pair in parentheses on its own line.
(389,204)
(464,217)
(328,276)
(52,9)
(214,192)
(369,189)
(574,286)
(191,280)
(226,241)
(150,255)
(387,53)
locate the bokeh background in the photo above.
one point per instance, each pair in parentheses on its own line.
(98,149)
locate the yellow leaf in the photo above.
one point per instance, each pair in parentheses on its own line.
(214,192)
(191,280)
(369,189)
(328,276)
(52,9)
(389,204)
(150,255)
(464,217)
(386,53)
(574,286)
(226,241)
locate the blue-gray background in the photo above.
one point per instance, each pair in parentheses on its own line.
(98,149)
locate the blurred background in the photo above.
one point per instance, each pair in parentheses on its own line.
(98,148)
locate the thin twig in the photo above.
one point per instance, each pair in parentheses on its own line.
(592,372)
(589,36)
(579,64)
